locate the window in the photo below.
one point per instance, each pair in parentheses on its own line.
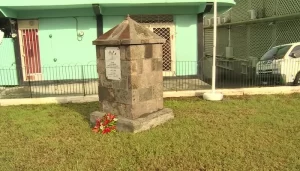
(276,53)
(296,51)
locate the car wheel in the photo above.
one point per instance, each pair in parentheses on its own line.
(297,80)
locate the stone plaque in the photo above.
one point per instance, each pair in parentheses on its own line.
(113,63)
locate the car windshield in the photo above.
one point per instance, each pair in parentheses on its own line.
(276,53)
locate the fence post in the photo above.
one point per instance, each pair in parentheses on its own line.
(83,82)
(29,84)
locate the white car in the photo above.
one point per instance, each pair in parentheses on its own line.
(280,65)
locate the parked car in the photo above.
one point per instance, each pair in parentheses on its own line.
(280,65)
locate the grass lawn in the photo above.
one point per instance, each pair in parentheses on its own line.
(239,133)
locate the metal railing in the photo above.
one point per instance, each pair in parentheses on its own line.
(82,80)
(51,81)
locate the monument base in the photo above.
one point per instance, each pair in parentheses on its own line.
(94,116)
(138,125)
(144,123)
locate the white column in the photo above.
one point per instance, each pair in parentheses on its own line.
(214,47)
(213,95)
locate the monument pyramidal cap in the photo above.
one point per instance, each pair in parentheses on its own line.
(128,32)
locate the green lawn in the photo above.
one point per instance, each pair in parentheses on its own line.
(241,133)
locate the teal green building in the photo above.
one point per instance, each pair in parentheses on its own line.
(52,40)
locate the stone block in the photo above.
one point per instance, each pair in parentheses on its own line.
(100,66)
(124,110)
(153,51)
(140,66)
(110,107)
(129,67)
(157,51)
(134,52)
(160,103)
(138,109)
(100,52)
(124,83)
(157,91)
(105,82)
(154,64)
(147,66)
(148,51)
(133,67)
(123,53)
(134,82)
(157,64)
(125,68)
(100,80)
(152,106)
(159,77)
(106,94)
(155,78)
(151,79)
(116,85)
(135,96)
(144,80)
(145,94)
(126,97)
(144,123)
(94,116)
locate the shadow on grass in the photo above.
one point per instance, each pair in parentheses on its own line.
(84,109)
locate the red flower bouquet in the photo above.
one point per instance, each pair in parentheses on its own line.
(106,124)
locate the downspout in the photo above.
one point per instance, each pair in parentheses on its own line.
(99,18)
(229,36)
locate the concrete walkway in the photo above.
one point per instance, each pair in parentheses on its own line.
(94,98)
(88,88)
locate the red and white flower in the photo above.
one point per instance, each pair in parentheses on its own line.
(106,124)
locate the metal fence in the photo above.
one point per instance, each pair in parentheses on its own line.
(253,40)
(52,81)
(82,80)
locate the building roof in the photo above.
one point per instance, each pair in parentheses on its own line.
(10,8)
(35,3)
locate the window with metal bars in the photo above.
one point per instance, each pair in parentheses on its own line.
(167,57)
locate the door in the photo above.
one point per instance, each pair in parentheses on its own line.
(167,31)
(294,63)
(30,51)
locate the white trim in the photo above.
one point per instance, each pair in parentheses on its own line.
(22,54)
(28,24)
(1,36)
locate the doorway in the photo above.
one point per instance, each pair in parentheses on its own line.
(30,50)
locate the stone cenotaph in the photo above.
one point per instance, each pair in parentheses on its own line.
(129,66)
